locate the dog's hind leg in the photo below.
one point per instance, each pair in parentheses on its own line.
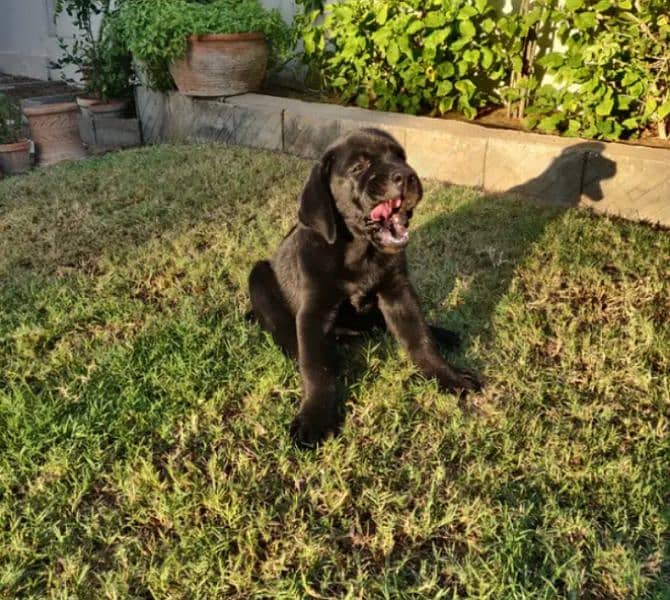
(269,307)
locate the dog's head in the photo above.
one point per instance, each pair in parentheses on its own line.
(363,176)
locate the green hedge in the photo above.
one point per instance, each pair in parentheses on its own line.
(610,80)
(614,75)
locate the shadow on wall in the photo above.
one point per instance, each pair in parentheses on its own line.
(486,239)
(563,182)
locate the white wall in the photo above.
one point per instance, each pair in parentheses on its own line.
(286,7)
(29,37)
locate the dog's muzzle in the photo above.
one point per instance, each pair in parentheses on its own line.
(388,223)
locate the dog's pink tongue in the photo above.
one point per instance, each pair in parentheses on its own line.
(383,211)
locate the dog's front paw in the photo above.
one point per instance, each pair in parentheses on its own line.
(461,382)
(313,424)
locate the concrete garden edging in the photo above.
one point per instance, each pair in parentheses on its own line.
(102,134)
(618,179)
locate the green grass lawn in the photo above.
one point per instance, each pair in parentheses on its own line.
(143,423)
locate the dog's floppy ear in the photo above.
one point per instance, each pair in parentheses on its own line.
(317,209)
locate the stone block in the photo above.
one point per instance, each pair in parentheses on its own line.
(115,133)
(258,127)
(151,110)
(208,121)
(549,169)
(310,128)
(86,130)
(630,182)
(309,135)
(179,119)
(447,151)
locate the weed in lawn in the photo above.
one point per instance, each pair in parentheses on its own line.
(144,449)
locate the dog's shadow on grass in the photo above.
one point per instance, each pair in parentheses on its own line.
(483,241)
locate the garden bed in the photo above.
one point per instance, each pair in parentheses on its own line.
(145,449)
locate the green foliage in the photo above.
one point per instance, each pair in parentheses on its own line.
(612,79)
(11,121)
(520,32)
(100,56)
(156,30)
(409,56)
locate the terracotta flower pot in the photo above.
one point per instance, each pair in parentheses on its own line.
(113,108)
(85,102)
(98,108)
(15,158)
(54,127)
(221,65)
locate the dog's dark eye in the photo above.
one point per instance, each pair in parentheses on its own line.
(359,167)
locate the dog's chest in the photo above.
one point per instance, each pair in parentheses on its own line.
(364,270)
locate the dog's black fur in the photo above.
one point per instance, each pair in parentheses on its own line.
(339,272)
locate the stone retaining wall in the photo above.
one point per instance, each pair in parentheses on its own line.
(620,179)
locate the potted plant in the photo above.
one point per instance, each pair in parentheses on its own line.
(54,128)
(98,55)
(14,147)
(220,48)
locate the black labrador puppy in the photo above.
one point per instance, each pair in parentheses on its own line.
(342,269)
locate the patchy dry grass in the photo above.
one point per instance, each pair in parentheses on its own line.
(144,449)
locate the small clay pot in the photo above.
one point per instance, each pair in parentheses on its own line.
(221,65)
(15,158)
(98,108)
(54,128)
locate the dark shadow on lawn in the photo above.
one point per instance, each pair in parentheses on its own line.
(493,234)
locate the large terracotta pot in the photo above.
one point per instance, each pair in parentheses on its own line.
(221,65)
(15,158)
(54,128)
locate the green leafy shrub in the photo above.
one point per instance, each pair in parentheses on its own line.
(11,121)
(156,30)
(409,55)
(99,54)
(608,78)
(612,79)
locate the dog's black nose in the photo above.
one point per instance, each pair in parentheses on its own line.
(403,179)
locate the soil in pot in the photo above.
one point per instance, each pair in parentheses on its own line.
(15,158)
(221,65)
(54,128)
